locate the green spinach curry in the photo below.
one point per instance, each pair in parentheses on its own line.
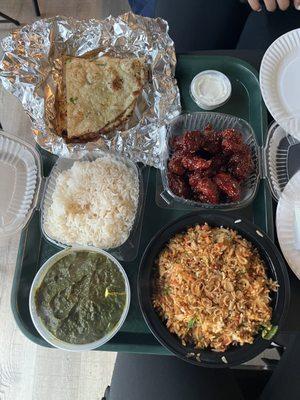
(81,298)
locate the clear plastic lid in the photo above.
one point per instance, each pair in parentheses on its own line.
(210,89)
(281,158)
(128,250)
(165,198)
(20,180)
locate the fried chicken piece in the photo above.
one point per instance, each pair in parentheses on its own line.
(232,141)
(211,140)
(231,133)
(228,185)
(192,141)
(219,163)
(194,163)
(176,143)
(241,165)
(178,186)
(175,164)
(189,142)
(206,190)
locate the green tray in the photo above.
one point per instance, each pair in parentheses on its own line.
(34,249)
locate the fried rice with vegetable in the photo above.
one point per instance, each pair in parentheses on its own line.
(211,289)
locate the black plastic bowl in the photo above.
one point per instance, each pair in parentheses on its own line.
(276,269)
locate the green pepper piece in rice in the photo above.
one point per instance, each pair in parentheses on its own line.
(166,290)
(269,332)
(192,322)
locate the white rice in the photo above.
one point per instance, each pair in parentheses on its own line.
(94,203)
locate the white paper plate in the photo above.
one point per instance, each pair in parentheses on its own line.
(285,223)
(280,81)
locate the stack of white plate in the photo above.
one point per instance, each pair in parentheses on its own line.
(280,81)
(288,223)
(280,86)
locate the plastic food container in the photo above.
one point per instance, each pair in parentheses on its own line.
(129,248)
(20,181)
(43,331)
(210,89)
(277,161)
(281,160)
(196,121)
(23,189)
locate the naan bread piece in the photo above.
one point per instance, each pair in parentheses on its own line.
(118,123)
(60,104)
(102,93)
(61,115)
(121,119)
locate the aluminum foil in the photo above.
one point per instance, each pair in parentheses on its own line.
(31,65)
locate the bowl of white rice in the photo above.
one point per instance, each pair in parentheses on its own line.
(92,201)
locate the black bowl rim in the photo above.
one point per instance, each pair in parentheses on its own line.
(276,266)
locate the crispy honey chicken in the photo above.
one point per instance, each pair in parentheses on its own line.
(209,166)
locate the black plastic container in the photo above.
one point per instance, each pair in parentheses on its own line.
(276,269)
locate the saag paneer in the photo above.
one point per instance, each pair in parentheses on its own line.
(82,297)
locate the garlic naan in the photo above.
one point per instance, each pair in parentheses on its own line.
(101,94)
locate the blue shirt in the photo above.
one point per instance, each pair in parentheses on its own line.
(143,7)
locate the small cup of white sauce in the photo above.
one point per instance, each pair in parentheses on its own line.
(210,89)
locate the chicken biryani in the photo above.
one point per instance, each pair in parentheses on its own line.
(211,288)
